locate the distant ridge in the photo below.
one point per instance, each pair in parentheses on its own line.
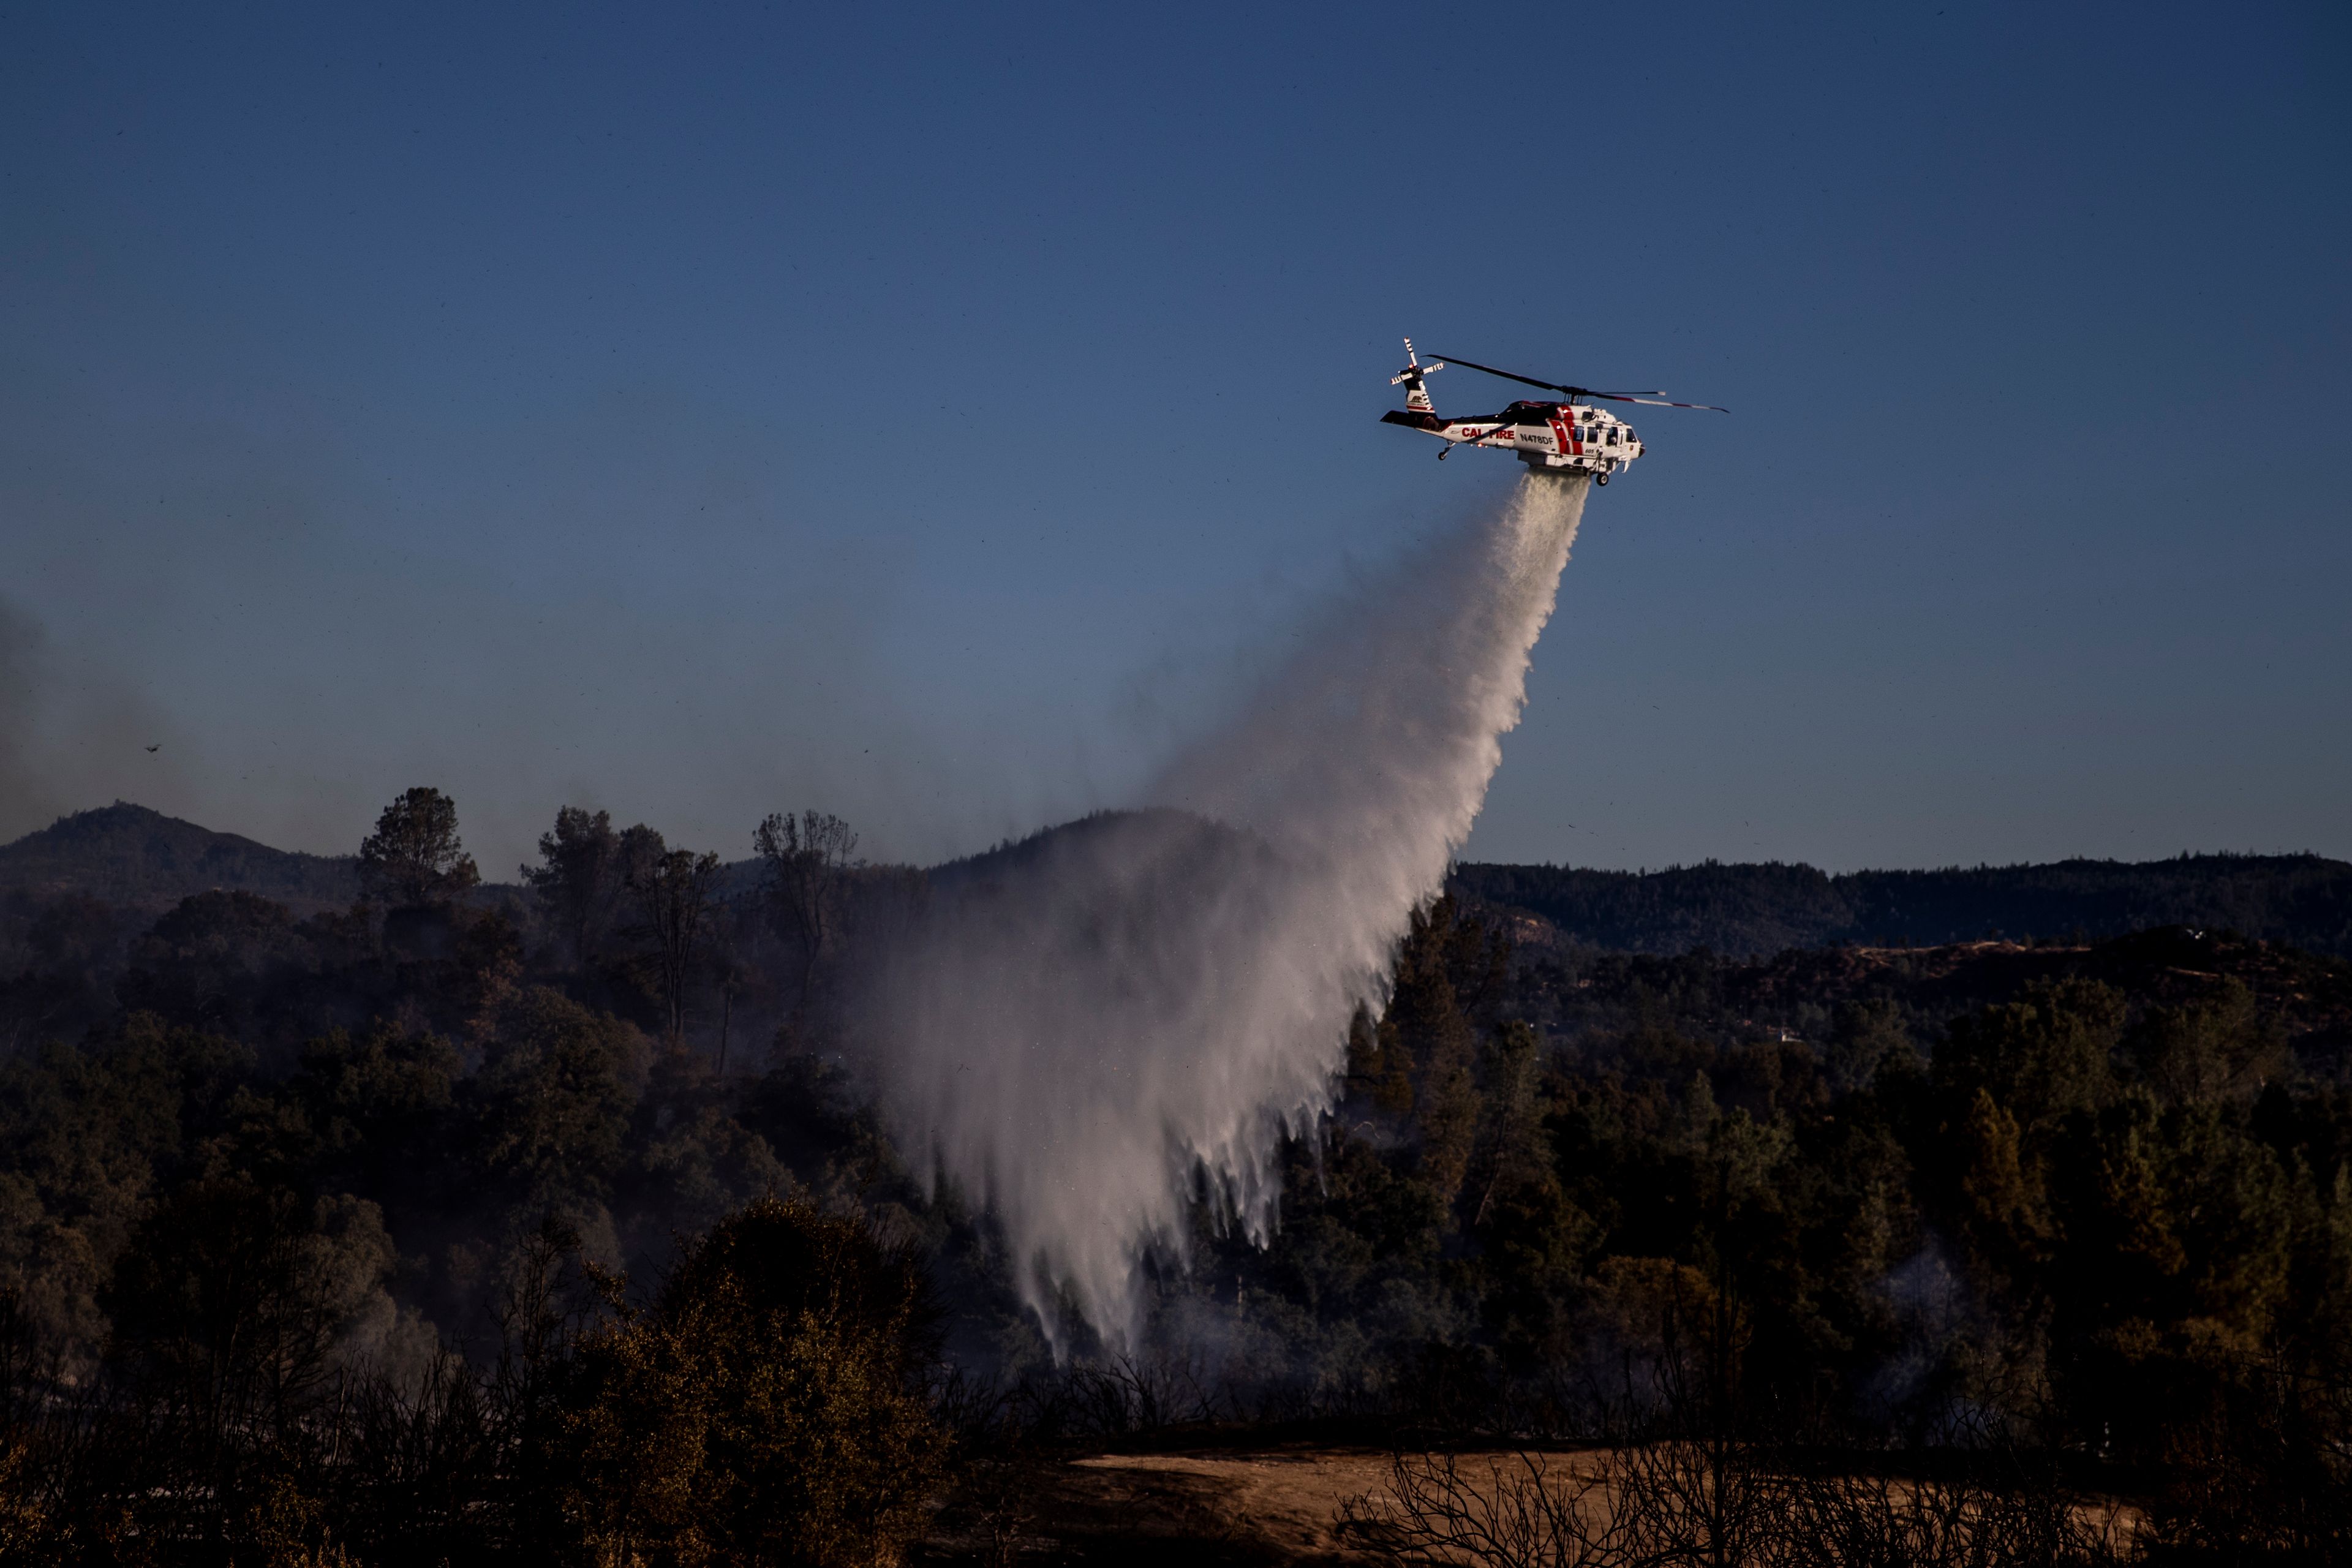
(128,855)
(1111,832)
(2305,901)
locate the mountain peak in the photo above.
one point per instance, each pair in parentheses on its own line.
(130,854)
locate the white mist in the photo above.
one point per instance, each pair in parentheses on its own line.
(1140,1002)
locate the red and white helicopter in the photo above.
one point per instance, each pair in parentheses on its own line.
(1547,436)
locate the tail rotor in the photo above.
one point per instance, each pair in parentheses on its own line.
(1416,395)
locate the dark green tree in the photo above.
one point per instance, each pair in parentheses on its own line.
(579,879)
(767,1409)
(226,1304)
(806,864)
(415,856)
(674,894)
(554,1099)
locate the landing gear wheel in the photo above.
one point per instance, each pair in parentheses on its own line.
(1601,476)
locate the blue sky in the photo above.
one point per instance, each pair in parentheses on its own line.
(924,413)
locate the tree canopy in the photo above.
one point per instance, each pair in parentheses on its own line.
(444,1230)
(415,856)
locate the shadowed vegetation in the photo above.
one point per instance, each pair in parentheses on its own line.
(440,1222)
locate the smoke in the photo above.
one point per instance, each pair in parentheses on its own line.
(73,734)
(22,796)
(1092,1030)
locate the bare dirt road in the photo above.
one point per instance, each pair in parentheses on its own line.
(1217,1506)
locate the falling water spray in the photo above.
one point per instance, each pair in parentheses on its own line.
(1135,1008)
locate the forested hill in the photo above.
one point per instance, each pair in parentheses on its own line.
(130,856)
(2302,899)
(324,1226)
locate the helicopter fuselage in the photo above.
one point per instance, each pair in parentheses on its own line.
(1573,437)
(1557,436)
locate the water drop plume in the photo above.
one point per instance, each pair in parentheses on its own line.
(1096,1029)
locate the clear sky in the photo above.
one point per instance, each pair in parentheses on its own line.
(922,412)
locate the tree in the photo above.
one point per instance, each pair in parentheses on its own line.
(767,1409)
(227,1301)
(382,1106)
(729,971)
(807,862)
(673,892)
(2214,1048)
(579,878)
(413,857)
(554,1098)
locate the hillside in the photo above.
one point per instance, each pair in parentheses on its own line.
(2305,901)
(128,855)
(2125,1162)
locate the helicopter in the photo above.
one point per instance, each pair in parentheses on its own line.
(1567,436)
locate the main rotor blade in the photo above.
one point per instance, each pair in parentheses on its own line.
(1506,376)
(1583,391)
(1655,402)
